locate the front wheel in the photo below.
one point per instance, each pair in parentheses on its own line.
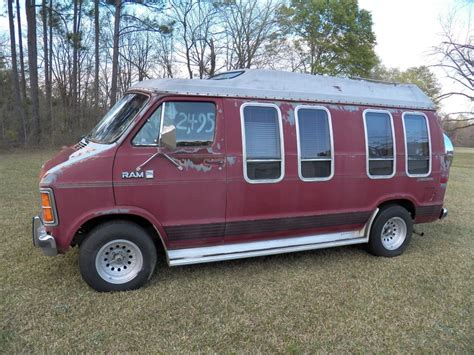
(391,231)
(117,256)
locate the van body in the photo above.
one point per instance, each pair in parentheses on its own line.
(248,163)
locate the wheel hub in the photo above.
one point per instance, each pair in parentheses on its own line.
(119,261)
(394,233)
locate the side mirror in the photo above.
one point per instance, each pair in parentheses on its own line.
(168,136)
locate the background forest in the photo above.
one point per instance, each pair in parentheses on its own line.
(67,61)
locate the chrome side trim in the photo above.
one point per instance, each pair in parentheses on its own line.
(270,247)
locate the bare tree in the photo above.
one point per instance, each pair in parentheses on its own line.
(250,25)
(115,55)
(47,79)
(455,56)
(20,46)
(15,79)
(96,52)
(33,67)
(197,30)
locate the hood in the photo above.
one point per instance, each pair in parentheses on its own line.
(68,164)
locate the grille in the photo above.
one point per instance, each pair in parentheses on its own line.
(81,144)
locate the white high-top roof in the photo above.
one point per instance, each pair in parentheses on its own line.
(281,85)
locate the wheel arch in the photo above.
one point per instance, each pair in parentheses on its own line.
(406,203)
(155,230)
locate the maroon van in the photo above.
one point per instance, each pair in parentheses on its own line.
(246,163)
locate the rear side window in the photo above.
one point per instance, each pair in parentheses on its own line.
(315,147)
(380,144)
(417,144)
(262,143)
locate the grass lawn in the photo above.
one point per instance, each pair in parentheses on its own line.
(326,300)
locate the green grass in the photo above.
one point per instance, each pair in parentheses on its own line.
(327,300)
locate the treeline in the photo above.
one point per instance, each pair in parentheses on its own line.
(71,59)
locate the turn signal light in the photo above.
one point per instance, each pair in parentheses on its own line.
(47,207)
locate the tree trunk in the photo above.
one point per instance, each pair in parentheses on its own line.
(115,55)
(47,78)
(33,67)
(16,83)
(74,65)
(20,45)
(96,49)
(51,67)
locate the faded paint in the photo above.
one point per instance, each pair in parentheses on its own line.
(189,164)
(231,160)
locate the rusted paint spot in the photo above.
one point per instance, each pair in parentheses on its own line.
(231,160)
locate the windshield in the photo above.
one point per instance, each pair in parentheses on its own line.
(116,121)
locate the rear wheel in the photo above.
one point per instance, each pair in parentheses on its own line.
(117,256)
(391,231)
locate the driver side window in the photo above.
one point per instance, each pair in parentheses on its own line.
(148,134)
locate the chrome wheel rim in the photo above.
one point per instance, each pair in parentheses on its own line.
(394,233)
(119,261)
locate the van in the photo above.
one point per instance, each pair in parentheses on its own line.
(244,164)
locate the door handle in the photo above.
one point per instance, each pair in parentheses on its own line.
(212,161)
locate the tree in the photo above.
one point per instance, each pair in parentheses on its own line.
(333,37)
(47,79)
(115,55)
(455,58)
(96,52)
(33,67)
(249,27)
(15,79)
(20,46)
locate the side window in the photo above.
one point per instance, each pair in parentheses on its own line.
(315,143)
(195,123)
(148,134)
(380,144)
(262,143)
(417,144)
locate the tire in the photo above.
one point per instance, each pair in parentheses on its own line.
(391,231)
(117,256)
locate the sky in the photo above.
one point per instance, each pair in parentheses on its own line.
(406,31)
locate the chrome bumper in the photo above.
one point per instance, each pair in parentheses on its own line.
(444,213)
(43,240)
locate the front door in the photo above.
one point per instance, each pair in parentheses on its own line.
(184,188)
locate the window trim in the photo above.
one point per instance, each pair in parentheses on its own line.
(244,145)
(367,157)
(430,158)
(298,143)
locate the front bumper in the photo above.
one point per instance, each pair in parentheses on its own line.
(43,240)
(444,213)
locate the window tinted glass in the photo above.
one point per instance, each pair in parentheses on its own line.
(195,121)
(379,135)
(116,121)
(262,135)
(262,143)
(417,141)
(148,135)
(314,133)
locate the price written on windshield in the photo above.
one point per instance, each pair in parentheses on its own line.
(189,123)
